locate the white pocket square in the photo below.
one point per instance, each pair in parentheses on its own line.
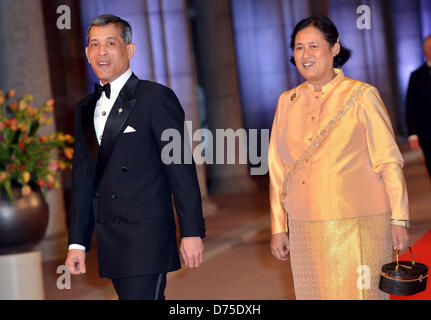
(129,129)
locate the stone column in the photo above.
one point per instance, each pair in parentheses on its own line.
(181,75)
(24,67)
(220,82)
(66,58)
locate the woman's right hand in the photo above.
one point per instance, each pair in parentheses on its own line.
(280,245)
(400,238)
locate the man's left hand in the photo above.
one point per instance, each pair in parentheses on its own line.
(192,249)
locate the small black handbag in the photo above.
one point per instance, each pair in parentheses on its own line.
(403,278)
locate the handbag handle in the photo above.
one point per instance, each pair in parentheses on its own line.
(398,253)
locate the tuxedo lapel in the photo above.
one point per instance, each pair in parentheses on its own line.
(120,111)
(91,147)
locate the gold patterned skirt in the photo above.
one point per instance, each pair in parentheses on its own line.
(340,259)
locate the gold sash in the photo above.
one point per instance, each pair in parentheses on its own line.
(317,141)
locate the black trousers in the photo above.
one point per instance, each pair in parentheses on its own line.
(144,287)
(427,154)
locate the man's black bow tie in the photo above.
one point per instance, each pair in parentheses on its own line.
(99,89)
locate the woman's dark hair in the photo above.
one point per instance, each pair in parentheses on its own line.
(330,32)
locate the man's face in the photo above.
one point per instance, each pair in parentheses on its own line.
(107,53)
(427,49)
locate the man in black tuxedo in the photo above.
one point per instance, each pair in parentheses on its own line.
(120,184)
(418,106)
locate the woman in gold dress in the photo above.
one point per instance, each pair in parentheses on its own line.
(337,191)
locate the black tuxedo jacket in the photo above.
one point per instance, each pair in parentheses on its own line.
(125,190)
(418,105)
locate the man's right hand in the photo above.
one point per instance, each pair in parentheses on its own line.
(414,144)
(280,245)
(75,261)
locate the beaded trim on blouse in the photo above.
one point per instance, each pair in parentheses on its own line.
(317,141)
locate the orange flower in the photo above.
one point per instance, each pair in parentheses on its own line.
(31,111)
(22,126)
(61,165)
(43,139)
(50,103)
(68,138)
(26,176)
(11,94)
(65,137)
(69,153)
(13,106)
(3,175)
(51,136)
(1,99)
(1,125)
(13,124)
(41,183)
(25,190)
(25,106)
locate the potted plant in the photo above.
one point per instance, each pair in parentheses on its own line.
(28,169)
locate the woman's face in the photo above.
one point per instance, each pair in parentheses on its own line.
(314,57)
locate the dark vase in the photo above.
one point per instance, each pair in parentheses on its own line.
(23,222)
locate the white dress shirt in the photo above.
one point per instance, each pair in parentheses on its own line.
(101,112)
(104,105)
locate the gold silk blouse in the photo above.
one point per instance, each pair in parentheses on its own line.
(355,172)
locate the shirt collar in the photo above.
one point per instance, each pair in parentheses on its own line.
(331,84)
(118,84)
